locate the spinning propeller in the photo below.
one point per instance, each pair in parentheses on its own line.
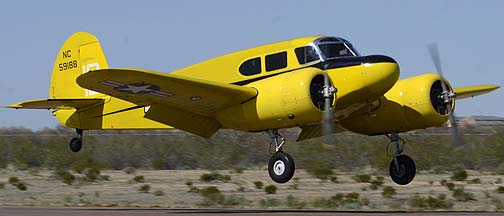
(447,96)
(329,94)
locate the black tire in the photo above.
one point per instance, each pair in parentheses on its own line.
(281,167)
(75,144)
(406,172)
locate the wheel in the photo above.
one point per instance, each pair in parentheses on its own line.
(75,144)
(406,172)
(281,167)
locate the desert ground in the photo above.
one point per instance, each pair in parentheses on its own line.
(184,189)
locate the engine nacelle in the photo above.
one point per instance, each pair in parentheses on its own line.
(284,100)
(413,103)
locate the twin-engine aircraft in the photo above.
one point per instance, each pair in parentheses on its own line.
(320,84)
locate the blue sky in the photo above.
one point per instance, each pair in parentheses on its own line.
(168,35)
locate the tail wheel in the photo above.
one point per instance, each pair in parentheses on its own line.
(404,171)
(281,167)
(75,144)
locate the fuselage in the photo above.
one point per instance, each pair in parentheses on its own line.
(281,72)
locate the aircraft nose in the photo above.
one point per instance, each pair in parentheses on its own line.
(380,73)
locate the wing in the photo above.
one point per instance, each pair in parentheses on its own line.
(183,102)
(56,103)
(471,91)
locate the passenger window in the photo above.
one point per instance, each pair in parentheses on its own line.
(306,54)
(276,61)
(251,67)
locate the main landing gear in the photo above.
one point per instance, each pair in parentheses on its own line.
(402,168)
(76,142)
(281,165)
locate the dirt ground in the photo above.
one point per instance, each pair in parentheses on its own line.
(43,189)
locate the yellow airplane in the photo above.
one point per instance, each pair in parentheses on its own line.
(320,84)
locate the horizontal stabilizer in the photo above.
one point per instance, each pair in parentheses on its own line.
(471,91)
(55,103)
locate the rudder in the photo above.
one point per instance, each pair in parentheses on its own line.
(80,53)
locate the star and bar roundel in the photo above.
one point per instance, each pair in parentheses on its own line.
(137,88)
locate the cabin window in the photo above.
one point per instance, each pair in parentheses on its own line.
(306,54)
(276,61)
(251,67)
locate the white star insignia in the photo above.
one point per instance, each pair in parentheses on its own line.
(136,89)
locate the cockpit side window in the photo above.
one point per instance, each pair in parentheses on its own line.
(306,54)
(332,50)
(251,67)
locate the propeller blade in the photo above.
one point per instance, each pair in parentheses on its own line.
(434,54)
(327,121)
(446,95)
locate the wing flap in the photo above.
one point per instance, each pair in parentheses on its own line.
(184,120)
(471,91)
(144,87)
(69,103)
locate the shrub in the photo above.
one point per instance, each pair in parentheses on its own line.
(129,170)
(352,197)
(13,180)
(209,191)
(68,179)
(270,189)
(144,188)
(139,179)
(459,175)
(91,174)
(189,183)
(362,178)
(498,181)
(443,182)
(334,179)
(269,202)
(214,176)
(450,186)
(500,189)
(21,186)
(430,202)
(237,170)
(474,181)
(378,181)
(500,169)
(373,187)
(159,164)
(460,195)
(321,171)
(159,193)
(294,202)
(212,196)
(388,192)
(2,185)
(258,184)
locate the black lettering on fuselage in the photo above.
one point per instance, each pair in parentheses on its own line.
(67,54)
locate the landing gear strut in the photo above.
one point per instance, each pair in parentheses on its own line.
(76,142)
(281,165)
(402,168)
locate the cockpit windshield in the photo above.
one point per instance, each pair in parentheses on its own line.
(331,47)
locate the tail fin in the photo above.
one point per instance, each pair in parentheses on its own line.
(80,53)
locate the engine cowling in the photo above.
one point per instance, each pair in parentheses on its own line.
(284,100)
(413,103)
